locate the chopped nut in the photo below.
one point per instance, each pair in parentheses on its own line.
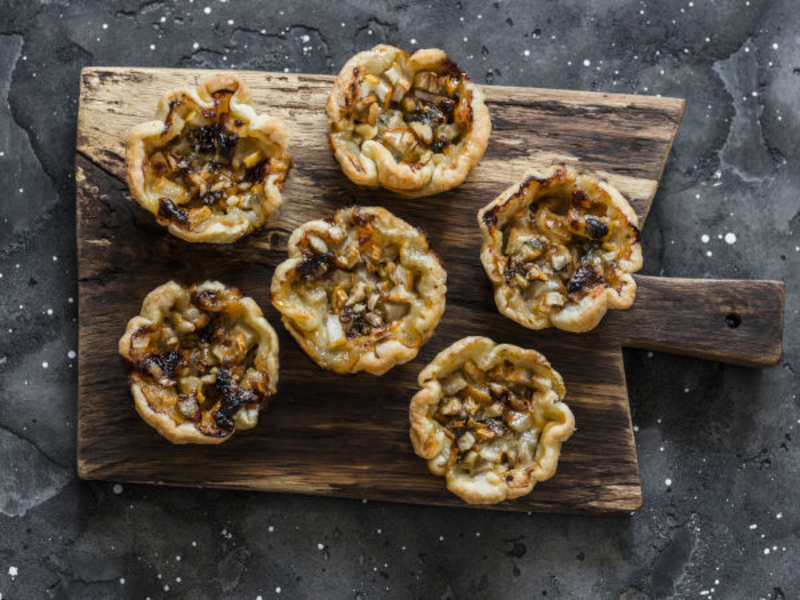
(423,131)
(478,394)
(372,117)
(371,99)
(366,131)
(252,159)
(466,441)
(317,244)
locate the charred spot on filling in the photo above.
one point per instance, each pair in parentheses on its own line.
(168,210)
(586,276)
(315,265)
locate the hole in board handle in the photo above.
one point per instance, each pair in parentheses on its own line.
(733,320)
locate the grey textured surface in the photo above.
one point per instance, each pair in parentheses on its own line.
(718,445)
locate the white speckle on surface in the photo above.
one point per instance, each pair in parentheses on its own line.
(304,38)
(587,62)
(709,253)
(379,531)
(207,10)
(194,544)
(45,364)
(152,46)
(177,580)
(775,46)
(13,571)
(195,46)
(55,259)
(270,529)
(178,558)
(526,52)
(753,526)
(71,354)
(50,312)
(70,300)
(704,238)
(766,550)
(117,488)
(105,25)
(779,515)
(122,581)
(413,41)
(668,482)
(166,588)
(636,428)
(730,238)
(320,546)
(685,390)
(230,21)
(278,590)
(441,538)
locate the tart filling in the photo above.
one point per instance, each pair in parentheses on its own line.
(360,291)
(559,249)
(490,419)
(203,361)
(412,123)
(210,169)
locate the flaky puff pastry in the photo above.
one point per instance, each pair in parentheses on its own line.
(490,419)
(209,168)
(362,291)
(559,249)
(412,123)
(203,362)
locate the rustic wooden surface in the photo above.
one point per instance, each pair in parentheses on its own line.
(348,435)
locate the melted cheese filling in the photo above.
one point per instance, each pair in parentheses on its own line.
(493,420)
(197,365)
(213,166)
(357,284)
(563,246)
(420,117)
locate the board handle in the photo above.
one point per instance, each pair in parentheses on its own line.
(731,321)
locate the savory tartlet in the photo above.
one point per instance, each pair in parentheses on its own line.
(361,291)
(559,249)
(490,419)
(412,123)
(209,167)
(203,362)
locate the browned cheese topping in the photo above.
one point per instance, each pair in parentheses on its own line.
(490,417)
(419,116)
(212,166)
(564,245)
(365,285)
(198,365)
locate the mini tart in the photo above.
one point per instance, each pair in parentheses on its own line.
(362,291)
(203,362)
(490,419)
(559,249)
(412,123)
(209,168)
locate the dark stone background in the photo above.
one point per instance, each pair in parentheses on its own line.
(718,445)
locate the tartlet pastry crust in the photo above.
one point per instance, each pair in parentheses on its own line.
(362,291)
(490,419)
(203,362)
(559,248)
(412,123)
(209,167)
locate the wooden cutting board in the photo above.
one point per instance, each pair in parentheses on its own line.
(348,435)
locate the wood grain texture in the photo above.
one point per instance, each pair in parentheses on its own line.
(348,435)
